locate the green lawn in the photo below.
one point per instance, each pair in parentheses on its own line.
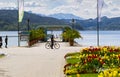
(89,75)
(73,60)
(84,75)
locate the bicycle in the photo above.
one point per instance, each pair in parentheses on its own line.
(56,45)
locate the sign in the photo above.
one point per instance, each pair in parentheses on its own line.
(24,36)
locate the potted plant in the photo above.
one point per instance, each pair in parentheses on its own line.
(36,35)
(70,35)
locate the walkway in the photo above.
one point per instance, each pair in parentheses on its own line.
(35,61)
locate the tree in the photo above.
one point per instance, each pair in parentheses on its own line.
(70,35)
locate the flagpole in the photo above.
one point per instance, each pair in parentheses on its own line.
(98,24)
(18,25)
(18,35)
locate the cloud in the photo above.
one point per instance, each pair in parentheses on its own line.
(7,4)
(82,8)
(32,4)
(79,1)
(63,9)
(115,9)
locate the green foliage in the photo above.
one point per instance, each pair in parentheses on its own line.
(37,34)
(73,60)
(88,75)
(71,34)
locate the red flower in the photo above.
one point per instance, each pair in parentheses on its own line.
(89,60)
(85,62)
(111,50)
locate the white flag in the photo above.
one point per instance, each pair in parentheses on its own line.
(20,10)
(100,4)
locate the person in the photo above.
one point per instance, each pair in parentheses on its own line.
(52,41)
(6,41)
(0,41)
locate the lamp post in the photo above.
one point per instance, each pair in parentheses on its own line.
(73,22)
(28,24)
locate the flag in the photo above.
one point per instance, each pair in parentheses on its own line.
(100,4)
(20,10)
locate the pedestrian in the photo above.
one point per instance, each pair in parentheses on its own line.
(0,42)
(52,41)
(6,41)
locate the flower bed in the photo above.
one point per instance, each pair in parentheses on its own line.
(92,60)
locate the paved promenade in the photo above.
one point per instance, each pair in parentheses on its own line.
(36,61)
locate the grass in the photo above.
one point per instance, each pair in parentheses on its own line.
(88,75)
(73,60)
(84,75)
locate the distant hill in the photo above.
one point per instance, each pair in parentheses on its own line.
(8,20)
(105,24)
(64,16)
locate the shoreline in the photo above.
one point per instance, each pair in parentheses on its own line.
(107,38)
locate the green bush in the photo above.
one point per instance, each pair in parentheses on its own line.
(70,35)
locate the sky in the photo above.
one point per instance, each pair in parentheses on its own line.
(82,8)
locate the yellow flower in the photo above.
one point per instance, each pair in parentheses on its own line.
(90,54)
(118,74)
(81,56)
(105,57)
(113,55)
(87,55)
(66,71)
(100,75)
(115,73)
(106,73)
(78,75)
(76,65)
(110,75)
(116,55)
(105,49)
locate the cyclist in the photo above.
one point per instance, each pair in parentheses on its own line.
(52,41)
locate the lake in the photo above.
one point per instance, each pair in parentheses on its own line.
(107,38)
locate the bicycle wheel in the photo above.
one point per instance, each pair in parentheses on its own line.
(56,45)
(47,45)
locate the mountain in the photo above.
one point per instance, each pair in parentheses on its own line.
(64,16)
(8,20)
(105,24)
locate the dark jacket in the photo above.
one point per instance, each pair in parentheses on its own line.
(0,41)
